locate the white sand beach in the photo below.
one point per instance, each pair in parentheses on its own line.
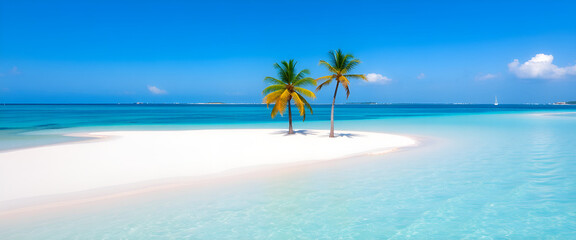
(126,157)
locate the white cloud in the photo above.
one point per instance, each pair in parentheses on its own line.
(486,76)
(421,76)
(377,78)
(155,90)
(540,66)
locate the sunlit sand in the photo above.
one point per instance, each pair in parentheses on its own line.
(125,157)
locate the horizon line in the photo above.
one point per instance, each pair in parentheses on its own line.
(232,103)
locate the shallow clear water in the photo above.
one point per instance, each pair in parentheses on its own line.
(481,173)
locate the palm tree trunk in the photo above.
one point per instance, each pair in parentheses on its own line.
(290,130)
(332,113)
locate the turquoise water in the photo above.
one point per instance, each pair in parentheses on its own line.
(482,172)
(32,125)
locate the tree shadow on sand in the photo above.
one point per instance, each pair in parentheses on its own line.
(297,132)
(314,133)
(348,135)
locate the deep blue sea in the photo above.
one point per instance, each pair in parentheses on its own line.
(481,172)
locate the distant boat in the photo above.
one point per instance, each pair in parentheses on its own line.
(495,101)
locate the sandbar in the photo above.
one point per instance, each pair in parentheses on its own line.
(127,157)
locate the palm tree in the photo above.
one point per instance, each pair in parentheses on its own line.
(340,64)
(288,87)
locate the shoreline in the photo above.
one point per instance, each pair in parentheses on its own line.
(129,163)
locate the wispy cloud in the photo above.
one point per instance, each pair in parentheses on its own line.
(15,71)
(421,76)
(377,78)
(487,76)
(540,66)
(157,91)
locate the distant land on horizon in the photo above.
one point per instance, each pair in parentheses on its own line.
(230,103)
(566,103)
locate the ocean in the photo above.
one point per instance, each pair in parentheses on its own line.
(480,172)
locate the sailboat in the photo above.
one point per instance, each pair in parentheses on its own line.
(495,101)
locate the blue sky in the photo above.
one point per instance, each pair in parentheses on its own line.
(185,51)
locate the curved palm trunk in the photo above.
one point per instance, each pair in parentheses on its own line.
(332,113)
(290,130)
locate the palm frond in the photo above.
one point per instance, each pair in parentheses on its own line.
(302,74)
(327,65)
(342,60)
(350,65)
(342,63)
(282,72)
(356,76)
(289,67)
(326,83)
(279,107)
(272,97)
(272,80)
(345,84)
(305,81)
(285,95)
(273,88)
(305,92)
(299,103)
(306,103)
(281,102)
(335,58)
(344,80)
(325,78)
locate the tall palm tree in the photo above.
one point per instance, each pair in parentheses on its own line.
(339,65)
(289,87)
